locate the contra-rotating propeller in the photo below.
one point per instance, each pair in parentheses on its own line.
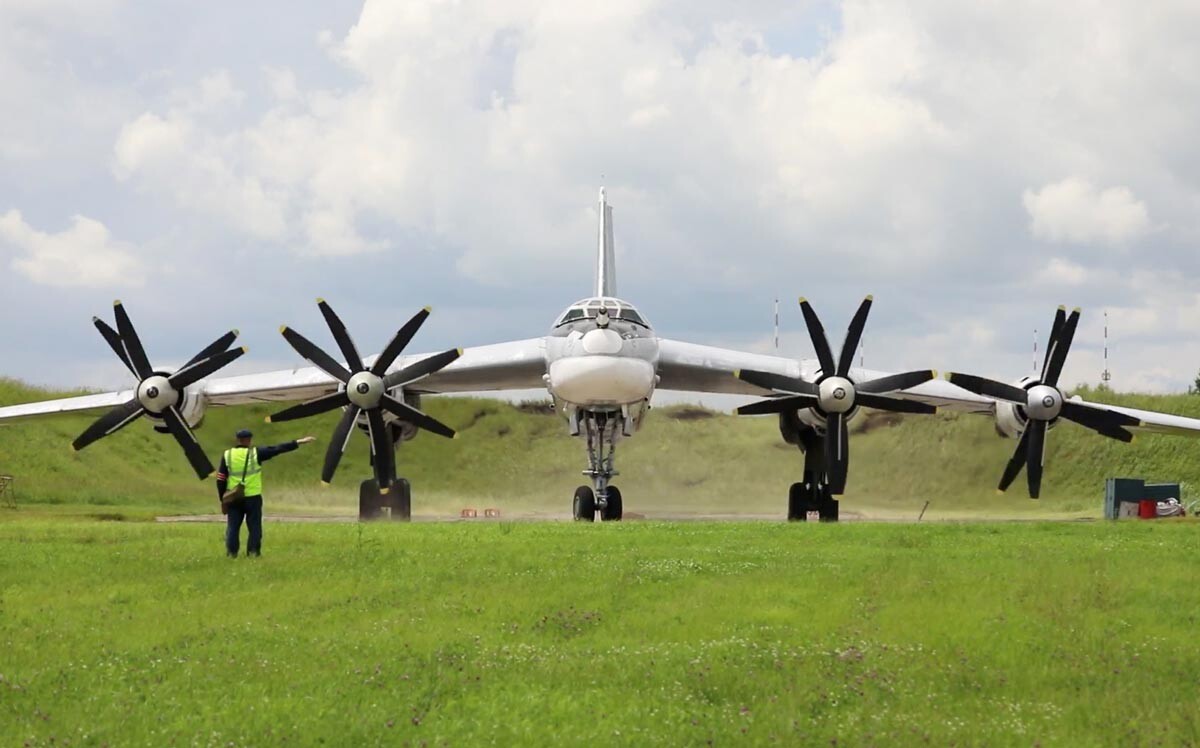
(1043,402)
(158,394)
(366,390)
(834,393)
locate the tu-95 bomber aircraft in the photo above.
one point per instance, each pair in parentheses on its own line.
(601,362)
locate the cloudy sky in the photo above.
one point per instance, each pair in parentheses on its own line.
(972,165)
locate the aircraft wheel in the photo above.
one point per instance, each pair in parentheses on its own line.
(583,508)
(370,501)
(614,510)
(400,499)
(797,503)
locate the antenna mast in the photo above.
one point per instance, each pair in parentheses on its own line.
(777,325)
(1105,375)
(1035,367)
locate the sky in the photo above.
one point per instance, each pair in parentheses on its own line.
(972,165)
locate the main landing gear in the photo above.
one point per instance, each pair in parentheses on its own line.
(812,495)
(601,431)
(397,501)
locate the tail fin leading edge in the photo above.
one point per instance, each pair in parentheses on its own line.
(606,261)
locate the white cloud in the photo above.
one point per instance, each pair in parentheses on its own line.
(84,255)
(750,149)
(1073,210)
(169,154)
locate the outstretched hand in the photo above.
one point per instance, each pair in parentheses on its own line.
(306,439)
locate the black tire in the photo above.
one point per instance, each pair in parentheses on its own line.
(797,503)
(583,508)
(400,500)
(370,501)
(615,509)
(829,508)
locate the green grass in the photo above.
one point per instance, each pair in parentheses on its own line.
(519,460)
(640,633)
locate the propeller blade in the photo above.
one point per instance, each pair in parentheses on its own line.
(193,373)
(777,382)
(1015,463)
(1062,346)
(132,343)
(195,453)
(896,381)
(398,343)
(421,369)
(1036,454)
(342,336)
(777,405)
(406,412)
(316,406)
(1101,420)
(989,387)
(853,336)
(381,448)
(1060,317)
(114,341)
(110,423)
(337,445)
(837,452)
(896,405)
(308,350)
(819,341)
(219,345)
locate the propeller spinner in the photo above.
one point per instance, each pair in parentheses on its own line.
(1043,403)
(366,391)
(157,394)
(834,394)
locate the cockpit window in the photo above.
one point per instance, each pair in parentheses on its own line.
(572,314)
(588,309)
(633,317)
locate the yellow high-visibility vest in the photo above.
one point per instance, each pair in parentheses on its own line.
(243,461)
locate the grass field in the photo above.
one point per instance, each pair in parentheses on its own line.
(683,460)
(1074,634)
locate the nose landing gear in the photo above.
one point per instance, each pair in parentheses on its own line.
(602,431)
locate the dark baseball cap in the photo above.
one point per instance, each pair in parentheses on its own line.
(244,434)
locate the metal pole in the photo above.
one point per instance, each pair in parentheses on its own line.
(1105,376)
(777,325)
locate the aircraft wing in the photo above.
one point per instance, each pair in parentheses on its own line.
(503,366)
(701,368)
(1153,422)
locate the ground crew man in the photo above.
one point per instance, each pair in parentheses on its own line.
(241,466)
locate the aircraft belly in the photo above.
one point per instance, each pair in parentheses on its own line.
(601,380)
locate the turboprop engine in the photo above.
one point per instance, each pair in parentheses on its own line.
(1010,417)
(1032,407)
(828,404)
(192,406)
(167,399)
(794,422)
(368,393)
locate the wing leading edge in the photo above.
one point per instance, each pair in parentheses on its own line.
(513,365)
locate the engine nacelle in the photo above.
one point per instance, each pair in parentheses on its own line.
(794,422)
(403,430)
(1010,420)
(1010,417)
(192,406)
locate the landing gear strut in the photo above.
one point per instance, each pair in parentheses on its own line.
(601,430)
(397,501)
(812,495)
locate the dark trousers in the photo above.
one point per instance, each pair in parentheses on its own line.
(250,510)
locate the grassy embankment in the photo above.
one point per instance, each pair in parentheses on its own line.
(520,460)
(641,633)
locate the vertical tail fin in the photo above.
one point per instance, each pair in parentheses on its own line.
(606,261)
